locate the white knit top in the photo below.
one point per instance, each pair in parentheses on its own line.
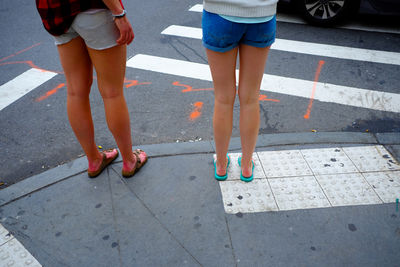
(241,8)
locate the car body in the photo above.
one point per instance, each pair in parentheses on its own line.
(328,12)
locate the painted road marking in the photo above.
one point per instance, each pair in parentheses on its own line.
(332,51)
(350,25)
(297,179)
(13,253)
(196,113)
(317,73)
(197,8)
(50,93)
(23,84)
(19,52)
(324,92)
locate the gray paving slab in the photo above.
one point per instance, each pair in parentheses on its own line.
(345,236)
(315,138)
(92,222)
(388,138)
(395,151)
(67,224)
(306,146)
(183,195)
(142,239)
(42,180)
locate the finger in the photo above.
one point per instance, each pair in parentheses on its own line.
(130,37)
(126,37)
(123,38)
(119,40)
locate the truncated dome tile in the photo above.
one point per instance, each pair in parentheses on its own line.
(328,161)
(298,193)
(250,197)
(234,168)
(284,163)
(371,158)
(13,253)
(4,235)
(348,189)
(385,184)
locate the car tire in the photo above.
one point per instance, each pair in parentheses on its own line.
(326,12)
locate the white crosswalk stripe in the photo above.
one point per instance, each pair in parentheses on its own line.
(197,8)
(295,87)
(357,97)
(23,84)
(333,51)
(298,20)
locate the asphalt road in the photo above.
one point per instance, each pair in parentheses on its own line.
(34,130)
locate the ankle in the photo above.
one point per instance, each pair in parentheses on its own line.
(247,166)
(221,162)
(95,162)
(129,164)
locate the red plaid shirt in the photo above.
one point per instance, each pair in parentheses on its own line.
(58,15)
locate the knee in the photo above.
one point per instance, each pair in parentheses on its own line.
(247,99)
(79,88)
(111,94)
(227,100)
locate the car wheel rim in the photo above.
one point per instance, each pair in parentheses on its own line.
(324,9)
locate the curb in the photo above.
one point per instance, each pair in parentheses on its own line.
(78,166)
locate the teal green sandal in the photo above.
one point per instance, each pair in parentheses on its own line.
(246,179)
(221,177)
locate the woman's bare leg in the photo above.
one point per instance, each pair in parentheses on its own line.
(78,70)
(110,68)
(223,67)
(252,63)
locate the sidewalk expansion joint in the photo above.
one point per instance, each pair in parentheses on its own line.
(155,217)
(113,214)
(230,240)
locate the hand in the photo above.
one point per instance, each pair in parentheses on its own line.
(125,30)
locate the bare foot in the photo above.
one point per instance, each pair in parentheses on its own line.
(95,164)
(222,165)
(130,167)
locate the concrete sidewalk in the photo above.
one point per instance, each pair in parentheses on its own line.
(318,199)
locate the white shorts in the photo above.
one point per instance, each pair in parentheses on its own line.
(97,29)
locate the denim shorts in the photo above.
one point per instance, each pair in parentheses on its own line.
(222,35)
(97,29)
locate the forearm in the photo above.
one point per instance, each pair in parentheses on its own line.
(114,6)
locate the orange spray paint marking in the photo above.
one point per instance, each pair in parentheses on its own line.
(265,98)
(317,73)
(51,92)
(19,52)
(130,83)
(29,63)
(196,113)
(189,88)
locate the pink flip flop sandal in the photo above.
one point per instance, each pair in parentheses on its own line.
(138,165)
(106,161)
